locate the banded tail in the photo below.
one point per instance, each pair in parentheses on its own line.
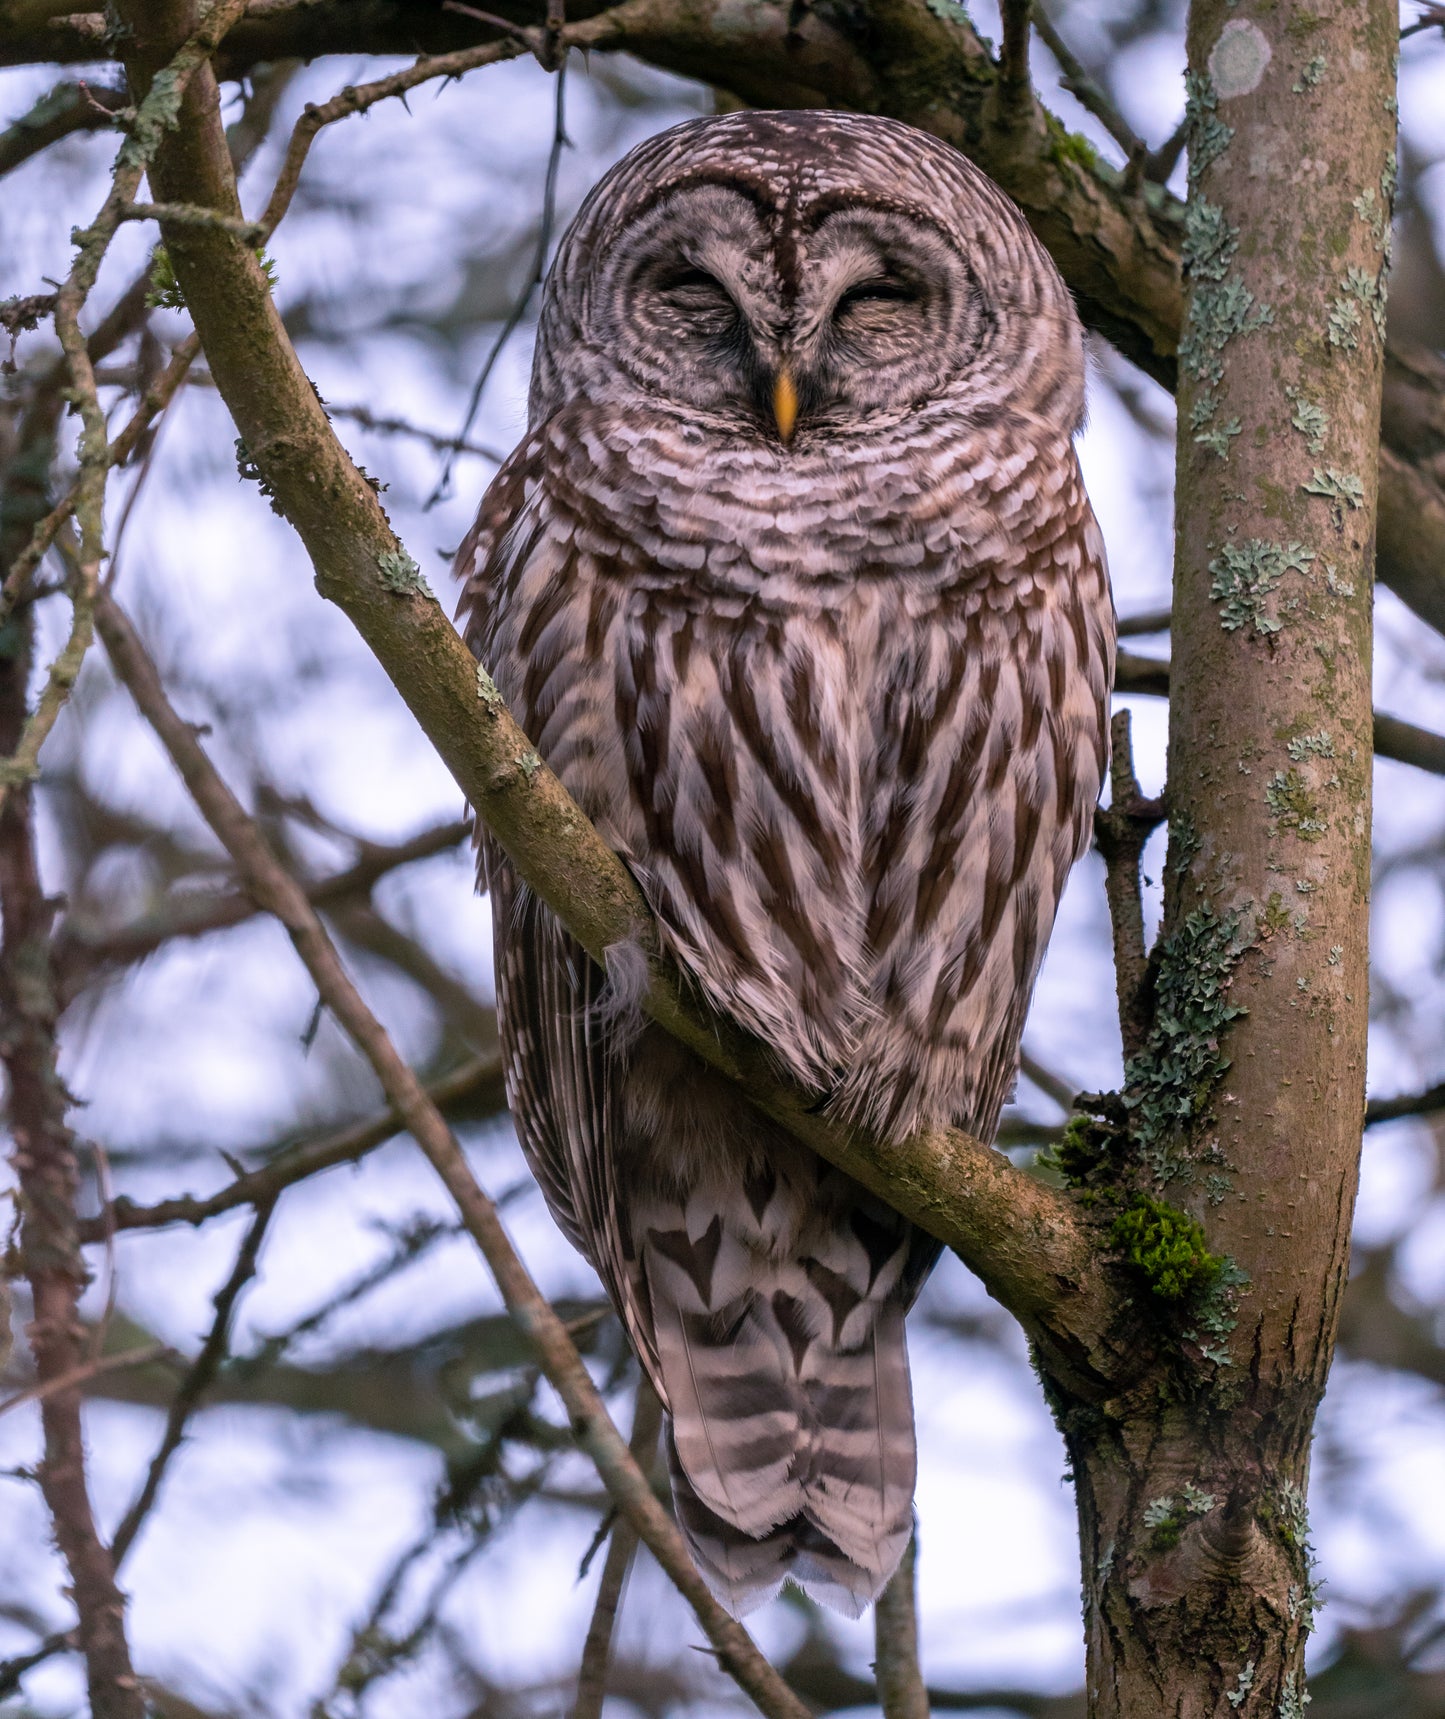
(778,1321)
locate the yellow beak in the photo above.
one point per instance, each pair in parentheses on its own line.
(785,403)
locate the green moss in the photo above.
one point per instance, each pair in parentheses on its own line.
(1166,1246)
(1068,148)
(165,290)
(1170,1515)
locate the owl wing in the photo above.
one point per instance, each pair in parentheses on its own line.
(561,1068)
(990,741)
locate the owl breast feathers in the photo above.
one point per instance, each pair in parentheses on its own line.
(795,584)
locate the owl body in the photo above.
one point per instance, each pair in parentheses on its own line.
(836,690)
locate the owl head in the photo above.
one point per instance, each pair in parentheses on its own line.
(808,274)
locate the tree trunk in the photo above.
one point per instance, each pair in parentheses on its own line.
(1245,1106)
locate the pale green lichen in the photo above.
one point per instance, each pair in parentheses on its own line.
(1310,420)
(1169,1516)
(399,573)
(1336,954)
(1217,440)
(487,689)
(1218,312)
(1377,218)
(1245,575)
(1359,288)
(1209,136)
(1294,1698)
(1304,746)
(1235,1697)
(1293,805)
(1310,76)
(1169,1084)
(1340,489)
(1209,241)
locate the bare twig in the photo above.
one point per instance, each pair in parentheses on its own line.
(597,1649)
(1015,86)
(475,1084)
(369,420)
(1161,162)
(187,215)
(198,1377)
(80,954)
(1432,17)
(1077,81)
(1150,621)
(281,895)
(61,111)
(45,1157)
(902,1693)
(1396,739)
(1427,1103)
(533,281)
(1122,832)
(87,1370)
(358,98)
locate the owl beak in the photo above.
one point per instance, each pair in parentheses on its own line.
(785,403)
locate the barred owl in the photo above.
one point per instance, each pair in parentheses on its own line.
(794,583)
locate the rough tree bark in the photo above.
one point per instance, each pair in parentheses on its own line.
(1246,1103)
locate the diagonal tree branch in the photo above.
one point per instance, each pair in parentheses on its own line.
(592,1427)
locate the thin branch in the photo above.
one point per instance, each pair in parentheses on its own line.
(154,401)
(80,954)
(357,98)
(475,1084)
(533,281)
(281,895)
(1150,621)
(369,420)
(1122,831)
(1395,739)
(198,1377)
(1160,163)
(1432,17)
(187,215)
(1427,1103)
(902,1693)
(60,112)
(597,1649)
(1015,86)
(97,1366)
(1077,81)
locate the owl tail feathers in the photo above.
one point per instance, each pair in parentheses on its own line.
(745,1572)
(791,1434)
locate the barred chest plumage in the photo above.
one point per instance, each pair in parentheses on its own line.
(772,682)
